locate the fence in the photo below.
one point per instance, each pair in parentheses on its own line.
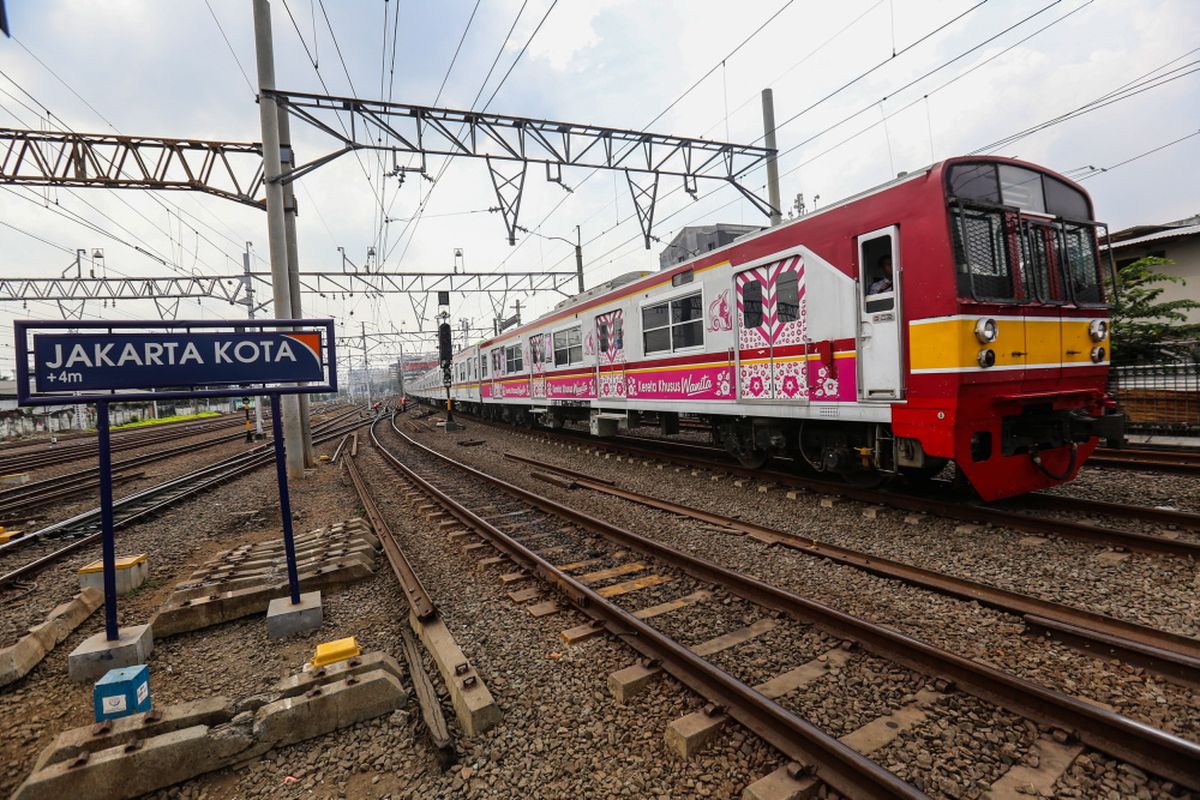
(1160,395)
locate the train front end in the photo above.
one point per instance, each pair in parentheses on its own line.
(1025,358)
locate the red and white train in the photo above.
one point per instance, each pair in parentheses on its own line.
(956,314)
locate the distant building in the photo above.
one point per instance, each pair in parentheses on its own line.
(1179,241)
(697,240)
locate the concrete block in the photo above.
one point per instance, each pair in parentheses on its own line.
(285,618)
(326,708)
(473,703)
(131,572)
(19,658)
(133,770)
(627,683)
(119,732)
(96,655)
(783,785)
(830,502)
(303,682)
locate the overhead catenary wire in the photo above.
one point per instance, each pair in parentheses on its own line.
(1103,170)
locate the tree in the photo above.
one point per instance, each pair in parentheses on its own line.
(1144,326)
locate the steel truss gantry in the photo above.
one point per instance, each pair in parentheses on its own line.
(407,129)
(71,292)
(232,170)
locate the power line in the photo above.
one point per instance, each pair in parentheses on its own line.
(1101,170)
(232,52)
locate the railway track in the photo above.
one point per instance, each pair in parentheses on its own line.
(1168,653)
(22,500)
(707,457)
(63,453)
(526,528)
(83,529)
(1185,462)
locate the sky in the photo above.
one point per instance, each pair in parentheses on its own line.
(863,89)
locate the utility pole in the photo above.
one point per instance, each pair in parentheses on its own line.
(249,283)
(276,225)
(579,256)
(768,106)
(287,161)
(517,307)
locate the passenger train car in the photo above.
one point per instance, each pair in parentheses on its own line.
(956,314)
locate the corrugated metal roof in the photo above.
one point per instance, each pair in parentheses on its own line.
(1170,233)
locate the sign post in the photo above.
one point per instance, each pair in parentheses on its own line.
(61,363)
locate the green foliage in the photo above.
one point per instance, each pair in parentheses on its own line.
(1145,327)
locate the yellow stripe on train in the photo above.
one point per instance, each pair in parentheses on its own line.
(950,343)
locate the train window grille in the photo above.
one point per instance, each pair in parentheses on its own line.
(674,325)
(981,253)
(568,347)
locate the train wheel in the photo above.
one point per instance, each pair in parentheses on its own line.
(739,443)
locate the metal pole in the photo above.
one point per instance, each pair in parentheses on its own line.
(109,555)
(768,106)
(366,365)
(276,225)
(285,501)
(579,257)
(248,280)
(290,212)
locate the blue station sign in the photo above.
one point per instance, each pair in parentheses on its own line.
(80,362)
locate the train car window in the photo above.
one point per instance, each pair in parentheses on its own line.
(1022,188)
(656,328)
(498,361)
(1081,263)
(974,182)
(512,359)
(981,254)
(752,309)
(568,347)
(687,322)
(787,296)
(876,272)
(483,366)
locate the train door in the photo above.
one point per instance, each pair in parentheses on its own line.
(879,331)
(610,360)
(771,331)
(755,302)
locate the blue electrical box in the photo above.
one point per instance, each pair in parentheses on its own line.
(122,692)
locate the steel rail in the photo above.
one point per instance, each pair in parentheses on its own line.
(418,598)
(1147,747)
(1171,654)
(245,462)
(1151,460)
(835,763)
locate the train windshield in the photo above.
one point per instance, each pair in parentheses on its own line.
(1021,236)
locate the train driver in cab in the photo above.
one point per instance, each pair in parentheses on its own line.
(883,276)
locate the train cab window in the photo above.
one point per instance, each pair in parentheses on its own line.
(787,296)
(752,307)
(568,347)
(981,254)
(877,274)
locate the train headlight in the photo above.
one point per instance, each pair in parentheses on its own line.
(1097,354)
(986,330)
(987,357)
(1098,330)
